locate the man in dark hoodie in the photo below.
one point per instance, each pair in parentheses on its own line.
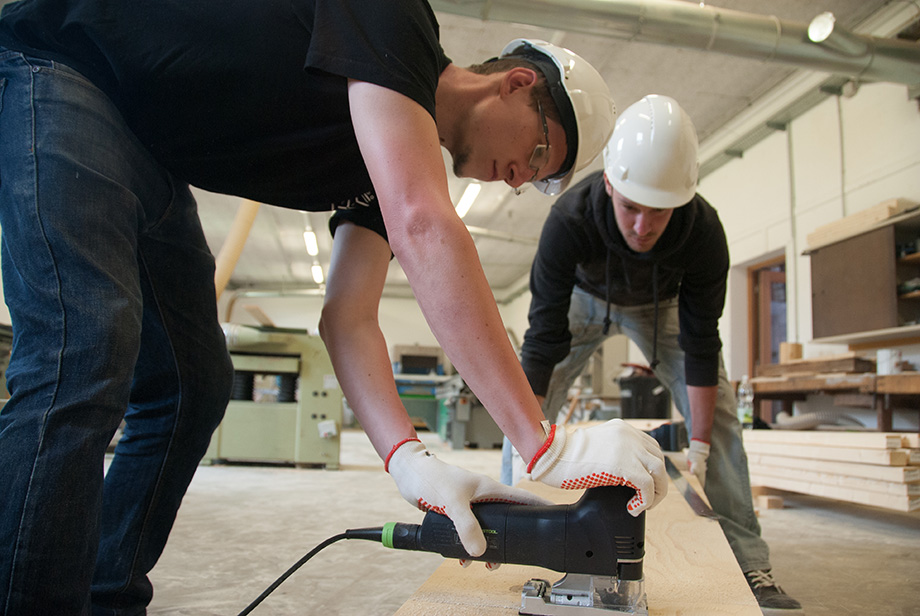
(634,250)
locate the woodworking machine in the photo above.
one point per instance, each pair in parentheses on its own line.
(466,420)
(595,542)
(295,421)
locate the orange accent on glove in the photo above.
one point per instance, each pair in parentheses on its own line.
(609,454)
(545,448)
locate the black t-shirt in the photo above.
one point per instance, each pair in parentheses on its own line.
(243,97)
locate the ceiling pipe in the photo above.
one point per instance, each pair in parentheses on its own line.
(687,24)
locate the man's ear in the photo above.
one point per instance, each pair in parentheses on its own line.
(607,186)
(517,78)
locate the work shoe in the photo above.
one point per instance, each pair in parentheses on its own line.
(770,597)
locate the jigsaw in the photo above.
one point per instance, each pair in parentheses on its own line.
(595,543)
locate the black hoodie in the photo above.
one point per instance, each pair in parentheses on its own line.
(582,245)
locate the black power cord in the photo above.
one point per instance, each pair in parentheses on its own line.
(370,534)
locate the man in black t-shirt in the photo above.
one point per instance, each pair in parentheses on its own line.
(110,111)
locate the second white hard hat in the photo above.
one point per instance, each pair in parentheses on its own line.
(583,99)
(652,157)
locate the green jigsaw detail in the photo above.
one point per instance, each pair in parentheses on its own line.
(387,537)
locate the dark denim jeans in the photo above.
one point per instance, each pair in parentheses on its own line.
(110,285)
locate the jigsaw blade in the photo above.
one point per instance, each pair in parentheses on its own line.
(584,595)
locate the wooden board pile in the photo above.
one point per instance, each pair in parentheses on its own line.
(848,363)
(881,469)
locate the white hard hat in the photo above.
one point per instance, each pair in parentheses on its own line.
(652,157)
(582,98)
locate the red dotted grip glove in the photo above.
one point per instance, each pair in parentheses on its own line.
(430,484)
(611,454)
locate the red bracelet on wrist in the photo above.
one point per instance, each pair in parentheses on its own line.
(386,463)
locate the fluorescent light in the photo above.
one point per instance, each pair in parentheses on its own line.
(469,195)
(309,238)
(317,273)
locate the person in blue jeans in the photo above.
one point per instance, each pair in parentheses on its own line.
(634,250)
(109,111)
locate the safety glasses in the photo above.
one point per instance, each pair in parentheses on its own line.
(541,153)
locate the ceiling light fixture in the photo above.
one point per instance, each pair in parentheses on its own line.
(469,195)
(309,238)
(317,273)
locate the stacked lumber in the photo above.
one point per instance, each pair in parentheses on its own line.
(849,363)
(881,469)
(859,222)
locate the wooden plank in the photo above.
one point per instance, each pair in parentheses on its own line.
(902,474)
(860,401)
(898,503)
(875,339)
(848,363)
(823,383)
(769,501)
(883,457)
(789,352)
(843,481)
(867,440)
(689,571)
(857,223)
(911,440)
(904,383)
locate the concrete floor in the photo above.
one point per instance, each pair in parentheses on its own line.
(240,527)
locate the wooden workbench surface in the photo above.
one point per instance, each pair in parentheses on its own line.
(689,571)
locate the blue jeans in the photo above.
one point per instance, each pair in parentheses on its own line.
(110,286)
(728,486)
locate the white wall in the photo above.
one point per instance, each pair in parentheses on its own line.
(752,196)
(843,156)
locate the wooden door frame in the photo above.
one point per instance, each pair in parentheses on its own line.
(752,305)
(766,279)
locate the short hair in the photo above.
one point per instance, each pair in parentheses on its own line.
(540,90)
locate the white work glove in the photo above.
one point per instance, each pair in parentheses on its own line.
(432,485)
(696,459)
(611,454)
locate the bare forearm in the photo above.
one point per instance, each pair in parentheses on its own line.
(350,330)
(361,365)
(702,409)
(438,255)
(461,311)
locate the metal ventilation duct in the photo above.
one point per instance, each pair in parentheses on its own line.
(685,24)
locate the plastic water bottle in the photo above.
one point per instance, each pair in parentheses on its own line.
(745,403)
